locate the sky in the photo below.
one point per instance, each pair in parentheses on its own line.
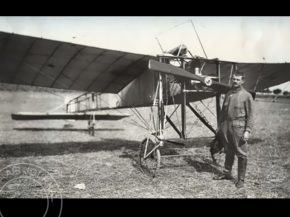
(241,39)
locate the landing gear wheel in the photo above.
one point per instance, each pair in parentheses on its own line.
(149,162)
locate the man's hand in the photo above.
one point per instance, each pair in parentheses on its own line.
(246,135)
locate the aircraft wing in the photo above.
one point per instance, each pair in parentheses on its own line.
(54,64)
(48,63)
(258,76)
(64,116)
(269,74)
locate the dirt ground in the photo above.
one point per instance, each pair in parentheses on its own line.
(106,165)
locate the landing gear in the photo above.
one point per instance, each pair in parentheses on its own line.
(149,156)
(91,125)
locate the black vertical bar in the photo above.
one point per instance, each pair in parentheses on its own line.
(236,67)
(183,107)
(160,101)
(218,95)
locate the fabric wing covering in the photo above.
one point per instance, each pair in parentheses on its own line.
(54,64)
(258,76)
(64,116)
(47,63)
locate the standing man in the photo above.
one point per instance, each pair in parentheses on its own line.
(236,123)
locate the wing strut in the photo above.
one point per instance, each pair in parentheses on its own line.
(201,117)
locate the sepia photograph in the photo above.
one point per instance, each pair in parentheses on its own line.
(144,107)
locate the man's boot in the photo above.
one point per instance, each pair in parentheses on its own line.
(227,172)
(226,176)
(242,166)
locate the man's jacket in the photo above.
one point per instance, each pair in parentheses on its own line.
(238,107)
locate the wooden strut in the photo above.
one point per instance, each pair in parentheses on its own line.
(182,133)
(91,125)
(173,126)
(218,95)
(201,119)
(183,107)
(161,108)
(184,103)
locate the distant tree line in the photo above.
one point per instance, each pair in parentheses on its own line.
(276,91)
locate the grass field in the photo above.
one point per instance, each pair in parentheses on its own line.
(107,164)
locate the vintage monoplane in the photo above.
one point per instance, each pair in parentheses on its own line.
(175,77)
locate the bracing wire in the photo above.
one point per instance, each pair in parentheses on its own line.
(151,108)
(138,115)
(170,29)
(159,44)
(207,107)
(198,39)
(178,123)
(135,123)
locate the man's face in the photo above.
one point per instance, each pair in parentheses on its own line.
(237,81)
